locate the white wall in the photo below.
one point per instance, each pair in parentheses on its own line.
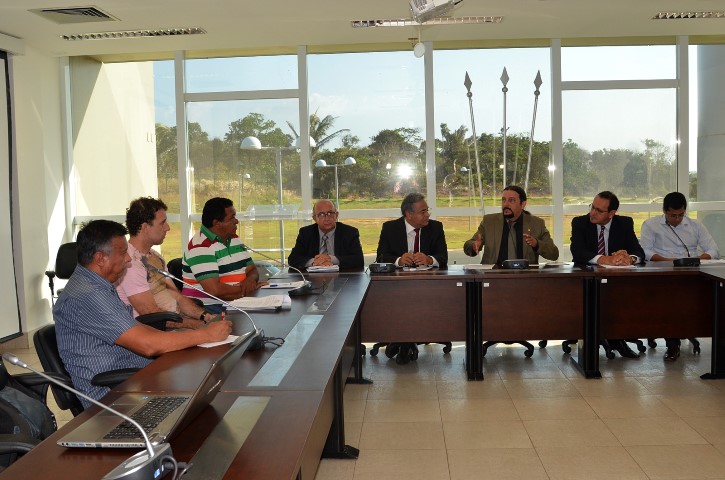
(36,79)
(114,146)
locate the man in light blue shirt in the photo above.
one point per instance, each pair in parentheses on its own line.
(673,235)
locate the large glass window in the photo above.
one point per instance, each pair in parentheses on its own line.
(373,110)
(456,169)
(619,140)
(241,73)
(645,62)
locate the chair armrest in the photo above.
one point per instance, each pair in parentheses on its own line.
(17,443)
(158,320)
(113,378)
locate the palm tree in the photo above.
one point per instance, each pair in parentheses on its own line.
(318,130)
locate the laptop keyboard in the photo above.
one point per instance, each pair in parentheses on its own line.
(148,416)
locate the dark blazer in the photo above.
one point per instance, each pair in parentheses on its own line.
(585,237)
(394,241)
(347,246)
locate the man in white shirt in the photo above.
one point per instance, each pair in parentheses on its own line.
(674,235)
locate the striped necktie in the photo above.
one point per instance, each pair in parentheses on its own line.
(416,242)
(323,247)
(600,245)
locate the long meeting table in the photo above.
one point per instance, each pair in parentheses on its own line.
(281,409)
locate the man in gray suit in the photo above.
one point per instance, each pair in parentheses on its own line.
(513,233)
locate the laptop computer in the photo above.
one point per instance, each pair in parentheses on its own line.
(169,412)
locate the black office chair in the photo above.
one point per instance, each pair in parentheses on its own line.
(529,348)
(65,264)
(18,433)
(174,268)
(46,346)
(608,351)
(391,348)
(695,344)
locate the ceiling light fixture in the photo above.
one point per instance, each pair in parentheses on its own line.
(409,22)
(170,32)
(687,15)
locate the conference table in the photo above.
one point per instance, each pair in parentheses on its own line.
(281,409)
(588,304)
(278,412)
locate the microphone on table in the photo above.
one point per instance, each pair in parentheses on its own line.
(304,289)
(252,346)
(146,464)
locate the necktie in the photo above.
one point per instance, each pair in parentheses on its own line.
(600,245)
(323,248)
(416,242)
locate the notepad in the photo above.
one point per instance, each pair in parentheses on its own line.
(477,266)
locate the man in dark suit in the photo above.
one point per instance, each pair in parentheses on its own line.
(327,242)
(412,240)
(604,238)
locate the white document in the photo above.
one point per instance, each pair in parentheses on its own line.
(618,266)
(229,339)
(477,266)
(270,302)
(712,261)
(319,268)
(284,284)
(421,268)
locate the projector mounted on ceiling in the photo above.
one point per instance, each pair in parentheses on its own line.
(424,10)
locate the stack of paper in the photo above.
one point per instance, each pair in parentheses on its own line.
(477,266)
(318,268)
(273,284)
(270,302)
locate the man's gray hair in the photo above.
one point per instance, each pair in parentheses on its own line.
(408,202)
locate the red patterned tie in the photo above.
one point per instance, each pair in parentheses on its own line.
(416,242)
(600,246)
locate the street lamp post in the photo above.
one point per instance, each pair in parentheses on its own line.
(470,187)
(349,161)
(242,177)
(253,143)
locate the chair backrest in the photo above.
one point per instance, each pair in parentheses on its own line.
(46,346)
(174,267)
(66,260)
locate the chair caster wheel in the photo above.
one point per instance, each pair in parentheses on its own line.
(374,352)
(542,343)
(641,348)
(652,344)
(696,350)
(447,349)
(566,348)
(610,355)
(528,353)
(391,350)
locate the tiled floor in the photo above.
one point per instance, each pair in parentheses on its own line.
(534,418)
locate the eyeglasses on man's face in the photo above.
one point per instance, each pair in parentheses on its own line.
(598,210)
(322,215)
(423,211)
(675,216)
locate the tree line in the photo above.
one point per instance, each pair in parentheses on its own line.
(647,173)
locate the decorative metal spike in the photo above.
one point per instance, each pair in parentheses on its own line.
(467,82)
(504,77)
(537,82)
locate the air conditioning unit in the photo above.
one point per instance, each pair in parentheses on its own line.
(424,10)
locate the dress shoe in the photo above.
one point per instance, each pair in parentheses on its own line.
(672,353)
(624,350)
(403,355)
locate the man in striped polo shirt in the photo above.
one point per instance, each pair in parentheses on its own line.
(215,258)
